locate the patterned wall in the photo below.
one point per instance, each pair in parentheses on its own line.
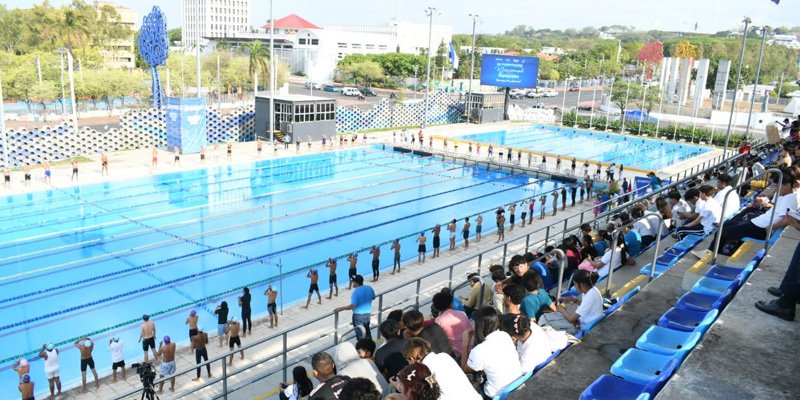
(138,129)
(443,109)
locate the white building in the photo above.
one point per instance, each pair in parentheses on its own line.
(789,41)
(213,18)
(119,53)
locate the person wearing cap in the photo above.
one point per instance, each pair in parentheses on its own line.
(192,320)
(26,387)
(22,367)
(421,239)
(166,349)
(199,343)
(117,357)
(49,354)
(86,346)
(147,336)
(353,271)
(313,276)
(232,330)
(272,306)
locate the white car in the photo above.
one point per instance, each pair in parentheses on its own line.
(351,91)
(313,85)
(533,94)
(550,93)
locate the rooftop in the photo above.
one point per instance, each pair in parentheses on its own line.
(292,21)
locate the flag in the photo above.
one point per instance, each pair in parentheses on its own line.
(453,56)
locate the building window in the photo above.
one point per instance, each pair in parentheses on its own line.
(314,42)
(370,47)
(382,47)
(356,45)
(342,45)
(302,41)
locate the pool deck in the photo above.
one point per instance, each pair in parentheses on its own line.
(136,163)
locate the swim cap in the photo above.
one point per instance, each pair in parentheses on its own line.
(145,317)
(87,343)
(166,339)
(193,313)
(22,362)
(50,347)
(115,338)
(26,378)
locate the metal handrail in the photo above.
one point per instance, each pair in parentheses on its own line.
(718,237)
(504,246)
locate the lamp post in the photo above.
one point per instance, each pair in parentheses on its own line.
(475,19)
(747,22)
(3,128)
(429,13)
(755,84)
(197,48)
(63,94)
(272,79)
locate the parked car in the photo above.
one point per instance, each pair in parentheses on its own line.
(539,105)
(313,85)
(516,94)
(549,93)
(574,88)
(533,95)
(368,91)
(351,91)
(331,88)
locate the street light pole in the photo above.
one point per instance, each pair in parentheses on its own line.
(429,13)
(755,84)
(475,19)
(63,94)
(3,128)
(272,79)
(747,22)
(197,48)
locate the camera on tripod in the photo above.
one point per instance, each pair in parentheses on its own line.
(147,374)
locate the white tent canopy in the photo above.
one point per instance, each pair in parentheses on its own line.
(793,107)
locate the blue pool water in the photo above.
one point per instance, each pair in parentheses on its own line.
(90,260)
(630,151)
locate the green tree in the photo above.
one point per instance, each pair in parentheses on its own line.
(43,93)
(175,35)
(258,62)
(18,84)
(367,71)
(11,28)
(440,60)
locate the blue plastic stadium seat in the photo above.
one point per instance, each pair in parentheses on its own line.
(759,256)
(643,367)
(724,273)
(694,301)
(590,326)
(608,387)
(667,260)
(513,386)
(687,320)
(668,342)
(693,239)
(675,251)
(542,270)
(622,300)
(776,233)
(660,269)
(714,286)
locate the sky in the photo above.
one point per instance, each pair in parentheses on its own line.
(501,15)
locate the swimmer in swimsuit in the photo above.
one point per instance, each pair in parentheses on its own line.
(103,164)
(465,232)
(332,277)
(154,159)
(272,308)
(177,160)
(451,227)
(47,171)
(27,170)
(203,155)
(74,170)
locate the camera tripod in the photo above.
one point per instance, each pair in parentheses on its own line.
(149,393)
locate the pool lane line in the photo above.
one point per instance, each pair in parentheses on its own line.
(9,259)
(175,191)
(219,295)
(153,182)
(118,254)
(246,260)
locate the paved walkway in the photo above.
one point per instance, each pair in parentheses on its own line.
(318,335)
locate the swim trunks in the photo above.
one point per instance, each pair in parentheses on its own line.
(272,308)
(149,343)
(87,362)
(202,156)
(47,173)
(421,248)
(313,288)
(193,333)
(27,177)
(452,235)
(478,229)
(167,368)
(234,340)
(332,278)
(436,242)
(352,273)
(465,234)
(74,170)
(118,364)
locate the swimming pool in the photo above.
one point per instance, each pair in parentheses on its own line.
(90,260)
(636,152)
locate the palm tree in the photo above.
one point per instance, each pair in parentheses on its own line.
(259,63)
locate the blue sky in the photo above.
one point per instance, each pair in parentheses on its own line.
(498,16)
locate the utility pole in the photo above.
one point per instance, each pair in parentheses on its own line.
(429,13)
(475,19)
(197,48)
(3,128)
(272,78)
(755,84)
(747,22)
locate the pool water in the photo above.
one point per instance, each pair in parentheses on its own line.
(90,260)
(630,151)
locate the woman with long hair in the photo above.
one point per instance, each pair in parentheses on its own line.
(494,353)
(301,387)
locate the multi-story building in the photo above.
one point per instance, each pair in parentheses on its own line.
(789,41)
(119,53)
(204,19)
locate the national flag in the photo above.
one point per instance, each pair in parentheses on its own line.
(453,56)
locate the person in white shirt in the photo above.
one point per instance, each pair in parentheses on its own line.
(453,383)
(707,217)
(603,264)
(723,187)
(590,305)
(117,357)
(755,223)
(533,344)
(494,353)
(679,206)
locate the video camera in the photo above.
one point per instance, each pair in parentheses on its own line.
(147,374)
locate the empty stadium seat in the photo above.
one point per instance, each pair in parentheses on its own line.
(702,302)
(622,300)
(714,286)
(687,320)
(722,272)
(516,384)
(643,367)
(668,342)
(660,269)
(608,387)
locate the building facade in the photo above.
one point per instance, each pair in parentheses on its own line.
(203,19)
(119,53)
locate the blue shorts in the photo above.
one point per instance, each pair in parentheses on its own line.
(221,329)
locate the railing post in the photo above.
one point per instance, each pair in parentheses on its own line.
(505,252)
(564,230)
(611,261)
(224,379)
(561,269)
(284,356)
(527,242)
(419,282)
(582,217)
(658,245)
(336,328)
(480,258)
(380,315)
(450,278)
(547,236)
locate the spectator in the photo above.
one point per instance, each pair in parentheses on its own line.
(586,230)
(633,241)
(603,241)
(417,382)
(480,294)
(536,301)
(301,387)
(533,346)
(330,384)
(453,383)
(361,389)
(498,276)
(788,292)
(733,203)
(366,348)
(588,248)
(494,353)
(647,223)
(679,206)
(453,323)
(389,357)
(396,315)
(605,262)
(708,215)
(361,304)
(433,333)
(590,306)
(349,364)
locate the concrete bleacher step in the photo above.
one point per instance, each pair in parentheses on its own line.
(699,269)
